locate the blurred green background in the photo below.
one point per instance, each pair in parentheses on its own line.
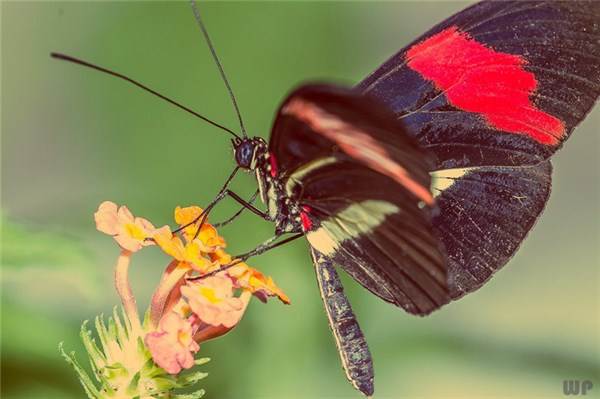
(72,138)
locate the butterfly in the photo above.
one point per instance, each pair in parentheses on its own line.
(422,181)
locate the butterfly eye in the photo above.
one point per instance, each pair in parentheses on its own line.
(244,154)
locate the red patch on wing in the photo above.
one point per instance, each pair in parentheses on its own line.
(306,222)
(273,163)
(478,79)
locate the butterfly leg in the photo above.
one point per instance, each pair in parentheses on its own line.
(202,217)
(268,245)
(204,214)
(248,205)
(238,213)
(224,192)
(349,339)
(262,248)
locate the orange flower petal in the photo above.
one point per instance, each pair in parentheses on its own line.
(186,215)
(251,279)
(193,255)
(169,243)
(220,256)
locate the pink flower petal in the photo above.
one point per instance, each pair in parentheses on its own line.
(213,302)
(206,332)
(128,243)
(125,215)
(172,347)
(106,218)
(129,232)
(147,227)
(164,354)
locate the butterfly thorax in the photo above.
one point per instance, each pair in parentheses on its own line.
(252,154)
(283,210)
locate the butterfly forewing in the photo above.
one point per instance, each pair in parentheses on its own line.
(500,83)
(363,188)
(319,120)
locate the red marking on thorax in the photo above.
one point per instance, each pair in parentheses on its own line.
(306,222)
(273,163)
(478,79)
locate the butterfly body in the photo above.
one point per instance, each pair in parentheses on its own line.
(282,210)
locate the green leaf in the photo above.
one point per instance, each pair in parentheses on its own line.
(201,361)
(194,395)
(97,358)
(103,335)
(132,388)
(190,378)
(164,384)
(121,331)
(88,386)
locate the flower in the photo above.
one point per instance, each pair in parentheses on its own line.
(172,346)
(212,300)
(256,282)
(191,253)
(207,236)
(194,301)
(124,366)
(187,215)
(129,232)
(220,256)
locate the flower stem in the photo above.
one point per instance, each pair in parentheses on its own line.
(125,292)
(172,275)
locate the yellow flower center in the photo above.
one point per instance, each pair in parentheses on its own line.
(135,231)
(209,294)
(254,282)
(183,337)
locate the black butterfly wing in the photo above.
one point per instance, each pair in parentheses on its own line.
(377,233)
(500,83)
(318,120)
(363,188)
(484,215)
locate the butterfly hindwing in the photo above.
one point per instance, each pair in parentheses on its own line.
(485,214)
(377,233)
(500,83)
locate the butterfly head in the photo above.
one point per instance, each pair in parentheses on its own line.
(247,151)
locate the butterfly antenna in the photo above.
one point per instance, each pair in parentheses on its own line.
(141,86)
(218,62)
